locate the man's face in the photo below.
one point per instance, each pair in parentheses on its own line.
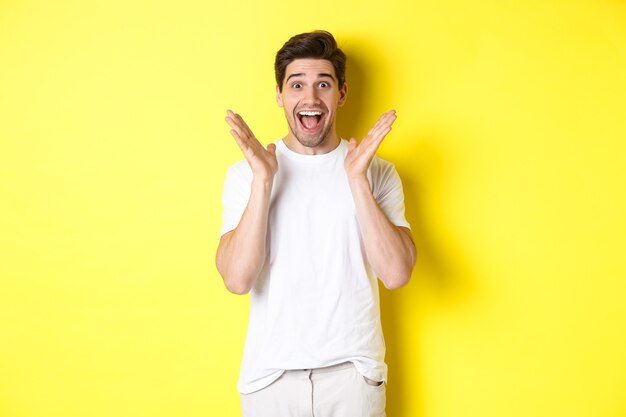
(310,98)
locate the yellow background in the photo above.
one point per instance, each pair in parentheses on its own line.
(510,140)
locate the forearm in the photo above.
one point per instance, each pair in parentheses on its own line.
(389,249)
(241,253)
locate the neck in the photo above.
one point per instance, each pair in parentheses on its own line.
(329,144)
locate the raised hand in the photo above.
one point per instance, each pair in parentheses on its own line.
(262,161)
(360,155)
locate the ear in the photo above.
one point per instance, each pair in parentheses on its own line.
(279,97)
(343,94)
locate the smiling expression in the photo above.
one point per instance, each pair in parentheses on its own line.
(310,97)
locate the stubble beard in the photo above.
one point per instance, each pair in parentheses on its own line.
(310,141)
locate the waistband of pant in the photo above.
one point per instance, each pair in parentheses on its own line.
(332,368)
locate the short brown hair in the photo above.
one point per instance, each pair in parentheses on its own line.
(318,44)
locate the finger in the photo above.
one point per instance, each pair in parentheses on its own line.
(234,124)
(378,139)
(382,134)
(244,126)
(379,131)
(237,132)
(238,121)
(245,134)
(388,118)
(233,119)
(383,122)
(375,138)
(243,145)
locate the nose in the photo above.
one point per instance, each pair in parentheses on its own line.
(311,95)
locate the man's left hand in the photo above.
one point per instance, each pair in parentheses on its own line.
(360,155)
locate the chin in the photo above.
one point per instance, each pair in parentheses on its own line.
(310,142)
(313,141)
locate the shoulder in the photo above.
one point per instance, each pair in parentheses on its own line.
(238,175)
(380,168)
(383,177)
(240,169)
(240,166)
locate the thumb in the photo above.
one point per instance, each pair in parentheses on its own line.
(352,144)
(271,148)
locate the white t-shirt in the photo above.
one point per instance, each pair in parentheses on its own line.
(316,302)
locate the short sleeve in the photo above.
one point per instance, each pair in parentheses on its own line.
(236,195)
(387,190)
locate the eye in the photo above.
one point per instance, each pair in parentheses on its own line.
(324,84)
(296,85)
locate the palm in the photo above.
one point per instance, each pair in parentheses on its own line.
(359,156)
(262,161)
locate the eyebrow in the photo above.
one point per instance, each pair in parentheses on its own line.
(320,75)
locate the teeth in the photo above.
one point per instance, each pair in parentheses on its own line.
(310,113)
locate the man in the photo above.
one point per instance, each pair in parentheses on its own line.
(309,224)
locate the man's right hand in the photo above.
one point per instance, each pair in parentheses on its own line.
(262,161)
(242,252)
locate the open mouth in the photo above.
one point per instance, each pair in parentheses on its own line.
(310,119)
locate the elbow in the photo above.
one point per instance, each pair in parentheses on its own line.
(236,286)
(397,279)
(232,282)
(400,277)
(396,282)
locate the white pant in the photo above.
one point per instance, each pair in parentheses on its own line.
(336,391)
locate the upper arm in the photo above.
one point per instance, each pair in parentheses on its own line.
(388,192)
(407,237)
(406,232)
(219,256)
(236,194)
